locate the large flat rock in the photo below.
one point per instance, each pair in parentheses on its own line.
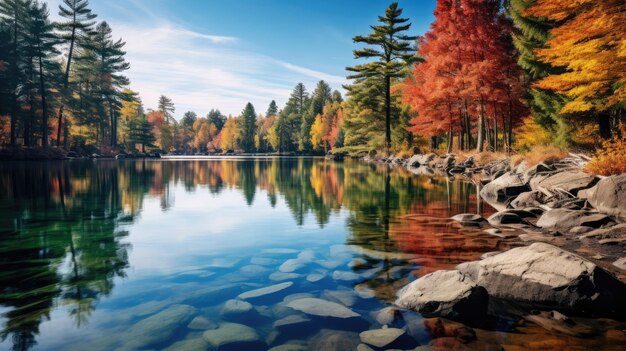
(609,196)
(543,274)
(321,308)
(563,219)
(449,294)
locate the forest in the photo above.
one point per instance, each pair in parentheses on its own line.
(489,75)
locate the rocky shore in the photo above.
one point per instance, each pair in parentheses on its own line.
(574,224)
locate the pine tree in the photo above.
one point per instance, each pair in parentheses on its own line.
(74,33)
(291,117)
(247,127)
(217,118)
(530,34)
(166,107)
(321,95)
(141,133)
(272,109)
(14,13)
(396,51)
(40,46)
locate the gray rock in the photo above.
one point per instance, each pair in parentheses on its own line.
(505,217)
(609,196)
(321,308)
(290,322)
(564,219)
(346,276)
(315,277)
(279,276)
(159,327)
(421,160)
(291,265)
(381,338)
(237,310)
(334,340)
(616,231)
(232,336)
(569,181)
(580,230)
(449,294)
(201,323)
(289,347)
(387,315)
(469,219)
(252,270)
(543,274)
(504,188)
(344,297)
(262,292)
(296,296)
(193,344)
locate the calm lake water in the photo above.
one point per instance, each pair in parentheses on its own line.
(107,255)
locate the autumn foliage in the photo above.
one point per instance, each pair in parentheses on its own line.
(469,82)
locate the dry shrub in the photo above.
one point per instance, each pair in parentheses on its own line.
(480,158)
(610,159)
(539,154)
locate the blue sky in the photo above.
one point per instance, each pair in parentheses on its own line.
(221,54)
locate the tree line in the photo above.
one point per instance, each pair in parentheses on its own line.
(488,75)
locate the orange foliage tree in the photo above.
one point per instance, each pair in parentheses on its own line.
(469,80)
(589,44)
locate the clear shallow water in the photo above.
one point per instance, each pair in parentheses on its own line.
(112,255)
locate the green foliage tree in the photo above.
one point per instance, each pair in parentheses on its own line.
(217,118)
(272,109)
(395,51)
(530,34)
(321,95)
(247,127)
(291,117)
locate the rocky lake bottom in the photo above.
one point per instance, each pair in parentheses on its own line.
(301,254)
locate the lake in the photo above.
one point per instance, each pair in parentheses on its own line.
(152,254)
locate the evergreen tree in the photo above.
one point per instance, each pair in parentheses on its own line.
(141,133)
(320,97)
(166,107)
(40,45)
(247,127)
(74,32)
(291,117)
(337,96)
(530,34)
(272,109)
(394,53)
(188,119)
(14,13)
(217,118)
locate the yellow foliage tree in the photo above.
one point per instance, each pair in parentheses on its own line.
(317,132)
(589,42)
(230,134)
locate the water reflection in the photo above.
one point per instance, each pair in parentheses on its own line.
(63,240)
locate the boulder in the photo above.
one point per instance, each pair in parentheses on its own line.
(564,219)
(388,315)
(569,181)
(334,340)
(609,196)
(201,323)
(529,199)
(543,274)
(505,217)
(504,188)
(449,294)
(232,336)
(322,308)
(420,160)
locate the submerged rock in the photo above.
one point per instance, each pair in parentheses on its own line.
(334,340)
(159,327)
(291,265)
(232,336)
(544,274)
(268,290)
(469,219)
(238,310)
(381,338)
(201,323)
(449,294)
(321,308)
(558,322)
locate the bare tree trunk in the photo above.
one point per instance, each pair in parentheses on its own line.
(481,127)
